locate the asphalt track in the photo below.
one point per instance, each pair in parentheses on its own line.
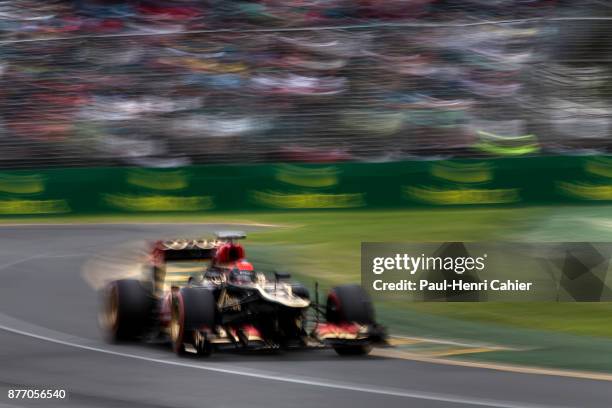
(49,339)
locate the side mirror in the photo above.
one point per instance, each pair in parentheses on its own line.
(281,275)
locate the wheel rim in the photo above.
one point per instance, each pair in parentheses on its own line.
(175,325)
(112,310)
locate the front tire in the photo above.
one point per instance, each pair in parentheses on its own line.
(350,304)
(353,350)
(193,309)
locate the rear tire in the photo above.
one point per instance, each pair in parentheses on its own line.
(350,304)
(193,309)
(127,310)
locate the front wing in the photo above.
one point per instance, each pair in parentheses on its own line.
(344,334)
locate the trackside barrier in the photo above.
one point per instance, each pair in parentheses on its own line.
(112,190)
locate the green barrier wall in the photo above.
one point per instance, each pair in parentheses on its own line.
(516,181)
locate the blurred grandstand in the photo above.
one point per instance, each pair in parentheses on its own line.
(165,83)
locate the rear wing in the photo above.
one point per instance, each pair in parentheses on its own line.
(192,249)
(184,250)
(175,252)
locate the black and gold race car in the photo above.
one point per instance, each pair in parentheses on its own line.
(204,295)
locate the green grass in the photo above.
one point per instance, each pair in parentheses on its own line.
(593,319)
(327,245)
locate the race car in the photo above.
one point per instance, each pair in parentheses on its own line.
(204,295)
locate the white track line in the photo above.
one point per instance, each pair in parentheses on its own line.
(453,399)
(19,261)
(40,256)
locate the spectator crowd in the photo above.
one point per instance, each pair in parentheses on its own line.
(169,83)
